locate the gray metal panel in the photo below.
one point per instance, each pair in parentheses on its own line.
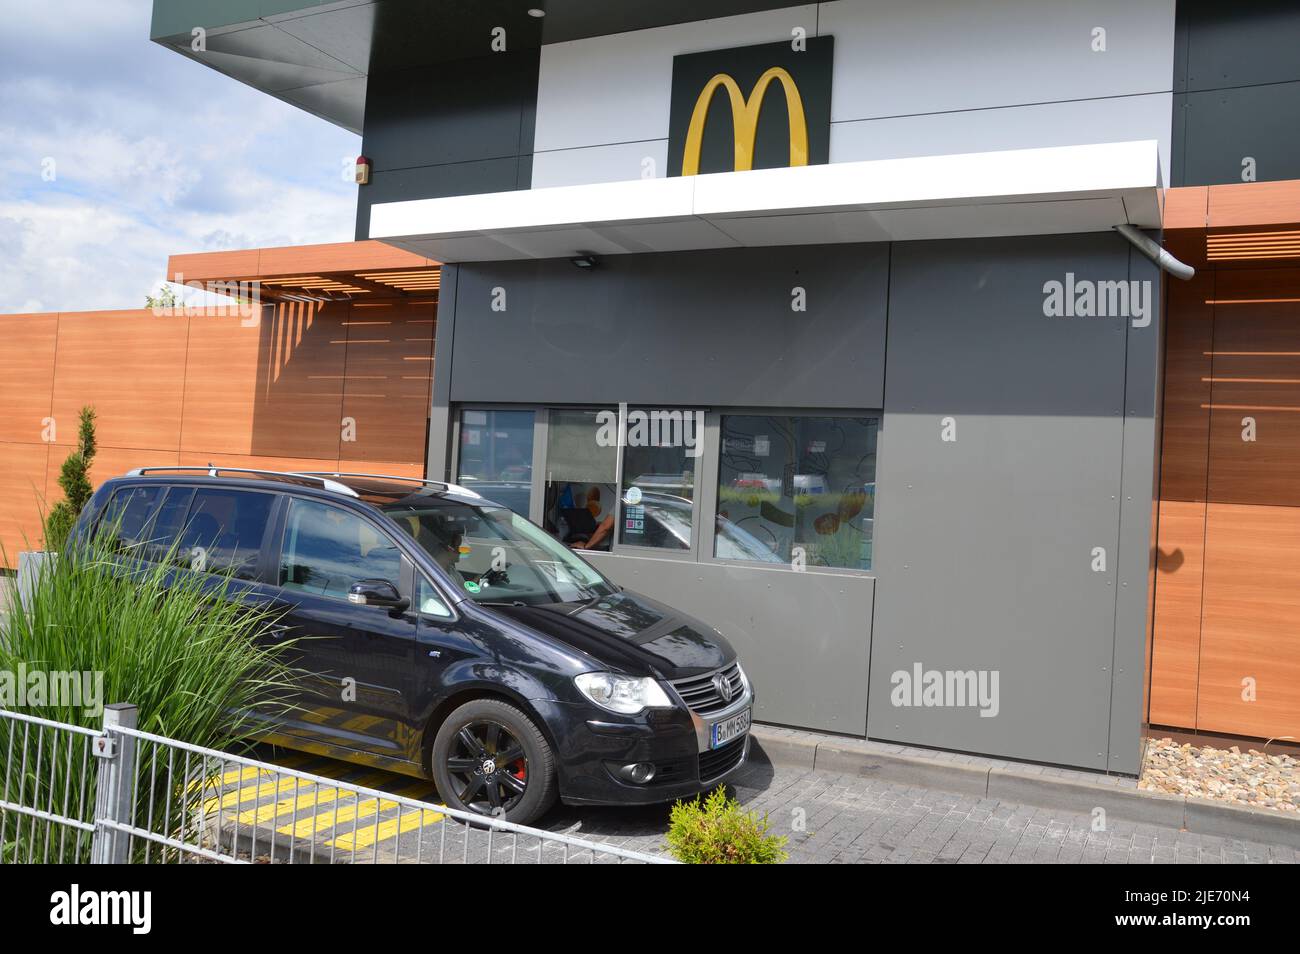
(1224,126)
(702,328)
(1136,558)
(803,638)
(438,466)
(984,544)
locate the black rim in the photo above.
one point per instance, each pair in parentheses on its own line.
(488,768)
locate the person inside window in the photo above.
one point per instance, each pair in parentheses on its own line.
(599,538)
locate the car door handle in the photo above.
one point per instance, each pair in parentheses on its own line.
(277,630)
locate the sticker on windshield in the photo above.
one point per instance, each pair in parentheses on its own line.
(472,586)
(633,496)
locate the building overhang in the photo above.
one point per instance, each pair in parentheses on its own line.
(974,195)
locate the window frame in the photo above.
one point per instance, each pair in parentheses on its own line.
(405,581)
(704,505)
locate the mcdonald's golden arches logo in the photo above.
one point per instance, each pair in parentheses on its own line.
(762,133)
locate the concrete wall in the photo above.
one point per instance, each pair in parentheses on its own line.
(984,546)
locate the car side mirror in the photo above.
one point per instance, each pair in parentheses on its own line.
(377,593)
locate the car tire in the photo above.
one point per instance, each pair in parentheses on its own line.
(468,735)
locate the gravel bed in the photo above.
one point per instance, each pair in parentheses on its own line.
(1248,777)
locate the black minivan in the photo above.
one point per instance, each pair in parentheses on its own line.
(441,635)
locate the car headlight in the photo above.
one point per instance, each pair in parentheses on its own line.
(623,694)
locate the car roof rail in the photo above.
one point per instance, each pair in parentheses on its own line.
(445,485)
(316,480)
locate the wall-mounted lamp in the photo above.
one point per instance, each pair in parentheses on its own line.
(362,173)
(585,260)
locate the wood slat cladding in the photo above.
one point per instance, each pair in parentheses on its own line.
(1226,652)
(1179,549)
(269,392)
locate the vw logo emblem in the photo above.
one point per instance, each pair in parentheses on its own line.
(723,687)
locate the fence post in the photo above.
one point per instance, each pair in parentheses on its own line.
(113,788)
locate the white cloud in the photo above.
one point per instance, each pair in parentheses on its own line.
(152,155)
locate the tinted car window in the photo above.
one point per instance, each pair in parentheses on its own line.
(326,549)
(167,523)
(224,529)
(127,514)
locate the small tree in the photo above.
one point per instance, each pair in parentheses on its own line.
(718,831)
(74,481)
(166,298)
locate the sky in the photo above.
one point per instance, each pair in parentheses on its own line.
(116,152)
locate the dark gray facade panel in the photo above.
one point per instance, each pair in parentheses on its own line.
(435,131)
(435,182)
(1247,44)
(804,638)
(438,465)
(985,545)
(712,328)
(1236,80)
(1222,127)
(1136,562)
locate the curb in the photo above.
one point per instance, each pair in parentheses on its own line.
(808,751)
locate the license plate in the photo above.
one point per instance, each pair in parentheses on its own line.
(728,730)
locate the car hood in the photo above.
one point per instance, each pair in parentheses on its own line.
(631,632)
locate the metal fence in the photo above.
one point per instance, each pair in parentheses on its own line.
(119,794)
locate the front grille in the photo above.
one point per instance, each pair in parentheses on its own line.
(721,761)
(700,695)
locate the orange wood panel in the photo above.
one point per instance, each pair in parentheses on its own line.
(1254,203)
(1176,643)
(131,366)
(26,375)
(221,383)
(257,462)
(213,266)
(299,407)
(1189,338)
(387,467)
(1176,630)
(1256,376)
(1251,623)
(389,381)
(1186,208)
(22,483)
(337,257)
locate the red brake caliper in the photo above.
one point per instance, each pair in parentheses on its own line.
(520,770)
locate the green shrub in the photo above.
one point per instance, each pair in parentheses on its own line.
(718,831)
(74,481)
(171,642)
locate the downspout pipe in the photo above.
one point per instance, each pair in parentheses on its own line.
(1155,252)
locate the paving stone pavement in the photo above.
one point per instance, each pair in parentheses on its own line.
(853,820)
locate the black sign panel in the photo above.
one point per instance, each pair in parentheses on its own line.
(751,107)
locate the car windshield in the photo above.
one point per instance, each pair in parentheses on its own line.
(496,555)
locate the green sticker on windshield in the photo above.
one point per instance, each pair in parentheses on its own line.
(472,586)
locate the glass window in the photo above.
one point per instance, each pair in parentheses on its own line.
(167,524)
(223,532)
(496,555)
(802,488)
(581,479)
(428,600)
(127,514)
(659,466)
(326,549)
(496,456)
